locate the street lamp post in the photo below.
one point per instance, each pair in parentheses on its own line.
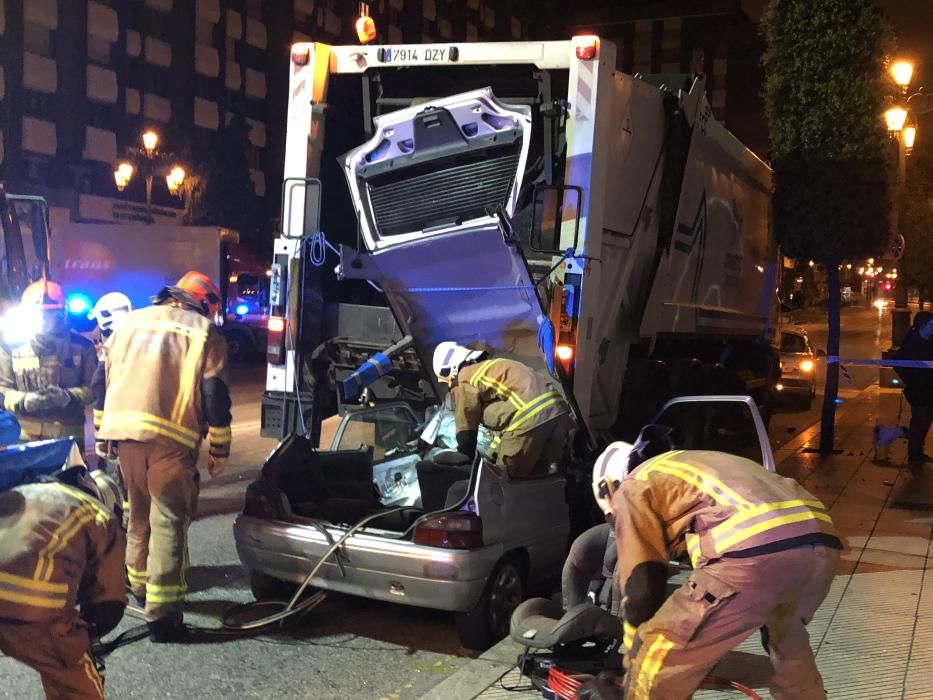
(149,161)
(897,120)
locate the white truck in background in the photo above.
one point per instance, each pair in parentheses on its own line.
(502,184)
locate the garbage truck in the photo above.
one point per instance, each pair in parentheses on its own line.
(523,198)
(529,198)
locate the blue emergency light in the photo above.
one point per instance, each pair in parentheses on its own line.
(241,309)
(79,304)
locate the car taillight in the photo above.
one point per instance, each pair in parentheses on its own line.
(460,530)
(264,501)
(275,345)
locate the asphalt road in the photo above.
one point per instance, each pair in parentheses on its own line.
(347,647)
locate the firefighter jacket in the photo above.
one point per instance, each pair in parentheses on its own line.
(59,547)
(163,379)
(505,396)
(66,360)
(713,505)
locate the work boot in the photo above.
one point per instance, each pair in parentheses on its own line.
(136,601)
(167,630)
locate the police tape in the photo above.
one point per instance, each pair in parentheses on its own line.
(909,364)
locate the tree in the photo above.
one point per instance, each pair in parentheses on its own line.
(825,87)
(221,193)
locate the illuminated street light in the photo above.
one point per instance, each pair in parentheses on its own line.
(902,72)
(150,141)
(175,179)
(910,135)
(895,118)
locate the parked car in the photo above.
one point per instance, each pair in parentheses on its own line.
(798,367)
(466,538)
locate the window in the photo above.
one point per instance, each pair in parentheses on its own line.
(390,430)
(793,343)
(37,39)
(724,426)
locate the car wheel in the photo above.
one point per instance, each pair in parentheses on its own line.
(489,621)
(265,587)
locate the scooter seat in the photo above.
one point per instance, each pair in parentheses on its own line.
(543,624)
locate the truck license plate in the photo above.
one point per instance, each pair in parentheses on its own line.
(415,54)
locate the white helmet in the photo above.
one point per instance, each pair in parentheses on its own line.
(449,356)
(109,308)
(610,467)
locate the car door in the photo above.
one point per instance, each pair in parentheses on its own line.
(722,423)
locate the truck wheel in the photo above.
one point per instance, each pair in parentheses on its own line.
(715,379)
(265,587)
(489,621)
(239,346)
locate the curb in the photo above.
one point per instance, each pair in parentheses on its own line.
(479,674)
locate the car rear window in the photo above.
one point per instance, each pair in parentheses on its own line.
(791,342)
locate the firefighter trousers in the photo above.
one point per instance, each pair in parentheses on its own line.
(721,605)
(59,652)
(162,486)
(530,453)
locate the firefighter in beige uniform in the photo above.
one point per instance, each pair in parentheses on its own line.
(165,374)
(62,579)
(46,381)
(531,417)
(764,552)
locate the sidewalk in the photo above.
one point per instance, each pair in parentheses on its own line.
(873,636)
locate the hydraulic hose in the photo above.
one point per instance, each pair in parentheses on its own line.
(230,628)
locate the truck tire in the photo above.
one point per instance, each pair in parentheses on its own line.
(239,346)
(716,379)
(488,622)
(266,588)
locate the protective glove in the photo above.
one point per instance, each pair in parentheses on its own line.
(58,397)
(215,465)
(35,401)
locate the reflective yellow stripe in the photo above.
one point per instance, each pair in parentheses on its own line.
(160,426)
(71,526)
(11,398)
(186,381)
(224,434)
(24,363)
(90,670)
(651,665)
(35,600)
(747,515)
(100,510)
(34,585)
(136,576)
(533,408)
(165,594)
(480,379)
(770,524)
(706,483)
(481,370)
(628,635)
(693,547)
(98,417)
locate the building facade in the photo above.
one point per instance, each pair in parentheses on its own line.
(719,38)
(80,80)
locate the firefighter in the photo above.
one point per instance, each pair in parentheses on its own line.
(764,553)
(162,385)
(530,415)
(62,580)
(108,310)
(46,379)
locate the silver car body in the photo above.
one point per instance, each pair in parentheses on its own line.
(529,517)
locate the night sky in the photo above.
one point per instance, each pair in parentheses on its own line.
(913,23)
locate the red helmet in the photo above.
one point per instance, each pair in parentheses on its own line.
(200,286)
(44,295)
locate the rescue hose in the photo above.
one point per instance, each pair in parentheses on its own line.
(231,628)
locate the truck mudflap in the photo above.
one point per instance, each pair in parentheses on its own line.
(470,285)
